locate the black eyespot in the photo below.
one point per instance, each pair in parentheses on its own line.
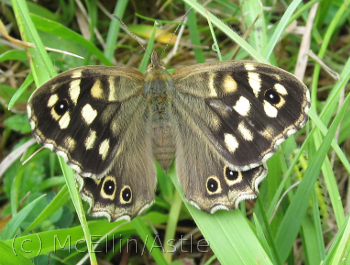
(108,187)
(230,174)
(272,96)
(61,107)
(212,185)
(126,194)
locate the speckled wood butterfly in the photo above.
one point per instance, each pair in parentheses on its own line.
(221,120)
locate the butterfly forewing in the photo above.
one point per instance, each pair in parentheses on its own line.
(84,114)
(243,109)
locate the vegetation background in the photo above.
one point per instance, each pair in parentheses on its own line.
(301,214)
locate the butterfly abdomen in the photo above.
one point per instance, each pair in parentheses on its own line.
(163,144)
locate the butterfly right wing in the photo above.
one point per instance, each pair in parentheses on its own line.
(228,119)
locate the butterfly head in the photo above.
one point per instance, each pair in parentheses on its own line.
(156,73)
(155,64)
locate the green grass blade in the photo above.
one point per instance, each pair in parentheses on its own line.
(280,28)
(63,32)
(8,257)
(150,242)
(194,35)
(12,226)
(228,234)
(290,225)
(227,30)
(114,29)
(60,199)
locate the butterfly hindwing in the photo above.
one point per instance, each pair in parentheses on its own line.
(242,109)
(128,188)
(207,180)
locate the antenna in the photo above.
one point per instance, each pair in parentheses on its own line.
(176,29)
(125,27)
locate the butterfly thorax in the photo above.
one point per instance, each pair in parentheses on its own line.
(158,84)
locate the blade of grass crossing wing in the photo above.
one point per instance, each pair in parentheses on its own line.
(74,193)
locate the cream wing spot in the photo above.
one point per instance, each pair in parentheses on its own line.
(249,66)
(70,143)
(90,140)
(112,90)
(32,125)
(231,142)
(74,91)
(104,147)
(97,181)
(270,110)
(280,89)
(96,90)
(54,114)
(212,90)
(29,111)
(242,106)
(245,132)
(229,84)
(76,74)
(64,120)
(254,81)
(88,113)
(52,100)
(268,133)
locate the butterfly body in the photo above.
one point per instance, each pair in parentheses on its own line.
(158,90)
(221,121)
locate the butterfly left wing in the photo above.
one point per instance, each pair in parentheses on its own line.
(97,119)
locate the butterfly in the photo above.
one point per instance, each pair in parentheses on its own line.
(221,121)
